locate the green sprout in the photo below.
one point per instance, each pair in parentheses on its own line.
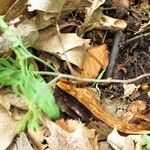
(19,74)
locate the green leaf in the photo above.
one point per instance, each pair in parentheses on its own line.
(146,140)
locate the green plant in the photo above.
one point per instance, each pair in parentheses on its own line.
(19,74)
(146,140)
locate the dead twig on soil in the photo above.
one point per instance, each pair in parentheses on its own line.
(113,56)
(60,75)
(135,38)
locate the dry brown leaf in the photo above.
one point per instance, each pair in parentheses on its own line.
(60,139)
(8,99)
(15,10)
(73,46)
(96,59)
(5,5)
(8,128)
(85,97)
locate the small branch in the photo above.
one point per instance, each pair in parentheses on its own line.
(114,53)
(135,38)
(60,75)
(43,62)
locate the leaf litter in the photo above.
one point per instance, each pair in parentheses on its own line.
(36,23)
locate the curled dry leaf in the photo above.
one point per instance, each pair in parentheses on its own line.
(72,44)
(69,135)
(95,60)
(118,142)
(8,128)
(85,97)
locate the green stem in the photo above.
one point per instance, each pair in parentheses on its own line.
(45,63)
(47,73)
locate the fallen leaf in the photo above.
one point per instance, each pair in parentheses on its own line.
(27,31)
(5,5)
(118,142)
(73,46)
(22,142)
(8,128)
(136,111)
(85,97)
(65,135)
(46,5)
(8,99)
(95,60)
(100,21)
(104,146)
(15,10)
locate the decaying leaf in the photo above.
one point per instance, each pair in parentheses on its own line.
(22,142)
(15,10)
(100,21)
(136,111)
(73,46)
(69,135)
(8,128)
(85,97)
(46,5)
(5,5)
(44,19)
(95,60)
(28,32)
(4,45)
(8,99)
(118,142)
(129,89)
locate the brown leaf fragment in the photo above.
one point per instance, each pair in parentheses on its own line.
(136,111)
(8,128)
(95,60)
(5,5)
(8,99)
(15,10)
(85,97)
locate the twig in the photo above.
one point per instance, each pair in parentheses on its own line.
(60,75)
(64,50)
(135,38)
(113,56)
